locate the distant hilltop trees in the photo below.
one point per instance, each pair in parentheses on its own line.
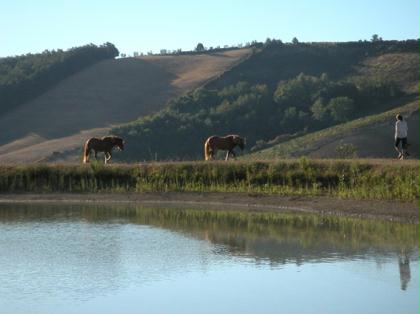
(201,48)
(27,76)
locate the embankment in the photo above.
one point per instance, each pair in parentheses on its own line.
(351,179)
(371,189)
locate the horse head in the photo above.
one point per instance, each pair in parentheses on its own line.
(240,141)
(119,142)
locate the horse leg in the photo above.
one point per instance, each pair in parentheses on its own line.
(87,156)
(227,155)
(96,154)
(108,158)
(233,154)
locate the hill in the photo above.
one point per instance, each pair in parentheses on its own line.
(27,76)
(106,93)
(370,136)
(282,90)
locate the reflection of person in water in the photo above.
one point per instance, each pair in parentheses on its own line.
(405,273)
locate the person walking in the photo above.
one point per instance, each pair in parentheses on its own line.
(401,130)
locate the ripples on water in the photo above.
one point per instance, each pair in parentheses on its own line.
(70,259)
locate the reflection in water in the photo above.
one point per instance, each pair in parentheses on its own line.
(86,251)
(279,238)
(405,273)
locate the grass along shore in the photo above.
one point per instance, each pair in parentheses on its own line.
(353,179)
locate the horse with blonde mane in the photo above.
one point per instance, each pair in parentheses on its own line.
(104,144)
(228,143)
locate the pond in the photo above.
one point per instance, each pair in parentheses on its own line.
(127,259)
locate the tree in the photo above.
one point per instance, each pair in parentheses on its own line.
(299,92)
(341,108)
(200,47)
(290,113)
(375,38)
(324,77)
(295,41)
(319,110)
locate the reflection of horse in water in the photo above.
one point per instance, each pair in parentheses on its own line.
(104,144)
(405,273)
(228,143)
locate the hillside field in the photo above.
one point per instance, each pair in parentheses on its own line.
(286,91)
(107,93)
(370,136)
(288,100)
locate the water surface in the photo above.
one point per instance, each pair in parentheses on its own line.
(73,259)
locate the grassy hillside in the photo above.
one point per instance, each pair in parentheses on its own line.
(25,77)
(265,93)
(278,61)
(370,136)
(280,91)
(107,93)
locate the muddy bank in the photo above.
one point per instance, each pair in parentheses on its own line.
(370,209)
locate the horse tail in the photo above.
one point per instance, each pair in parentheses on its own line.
(86,151)
(207,150)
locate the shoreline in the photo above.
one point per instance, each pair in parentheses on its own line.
(405,212)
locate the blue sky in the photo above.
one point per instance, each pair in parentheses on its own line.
(33,26)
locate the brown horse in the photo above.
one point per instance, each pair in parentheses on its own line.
(215,143)
(104,144)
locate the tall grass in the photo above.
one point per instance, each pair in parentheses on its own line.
(346,179)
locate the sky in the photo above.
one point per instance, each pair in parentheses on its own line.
(30,26)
